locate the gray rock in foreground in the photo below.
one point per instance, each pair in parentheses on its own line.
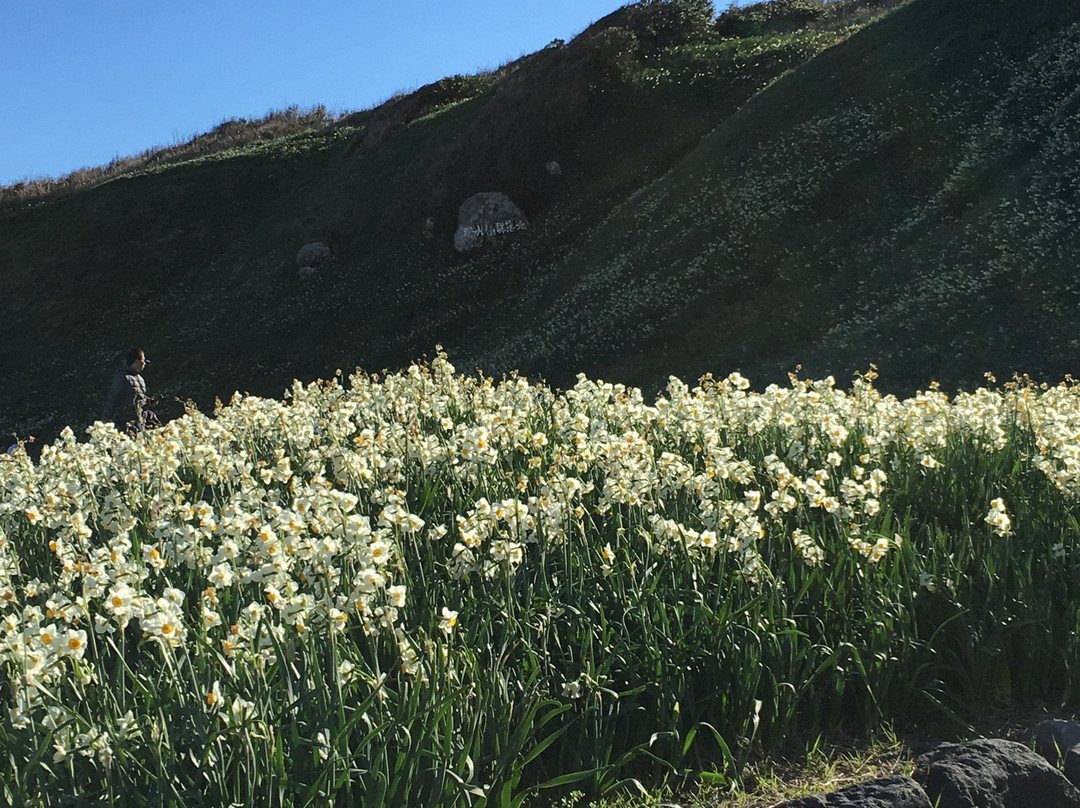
(1054,737)
(992,773)
(885,792)
(1072,765)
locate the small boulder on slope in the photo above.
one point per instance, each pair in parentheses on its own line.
(312,255)
(896,791)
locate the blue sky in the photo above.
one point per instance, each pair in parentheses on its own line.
(83,81)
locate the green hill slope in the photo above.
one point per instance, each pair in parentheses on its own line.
(906,198)
(791,184)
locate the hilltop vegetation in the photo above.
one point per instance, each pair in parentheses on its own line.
(793,182)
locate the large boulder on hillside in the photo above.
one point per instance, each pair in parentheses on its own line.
(992,773)
(485,218)
(312,255)
(896,791)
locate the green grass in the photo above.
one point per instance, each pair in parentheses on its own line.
(822,765)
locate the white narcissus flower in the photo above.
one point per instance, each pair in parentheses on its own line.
(997,517)
(396,595)
(213,697)
(448,620)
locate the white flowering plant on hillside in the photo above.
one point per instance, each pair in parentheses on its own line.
(431,587)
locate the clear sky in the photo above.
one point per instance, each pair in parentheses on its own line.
(84,81)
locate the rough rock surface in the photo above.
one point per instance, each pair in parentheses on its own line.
(1072,765)
(992,773)
(553,168)
(484,218)
(1054,737)
(897,791)
(313,254)
(987,773)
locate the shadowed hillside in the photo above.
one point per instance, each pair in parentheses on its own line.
(906,198)
(795,182)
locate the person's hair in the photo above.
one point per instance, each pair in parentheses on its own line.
(134,354)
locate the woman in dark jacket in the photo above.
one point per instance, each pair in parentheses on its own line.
(127,402)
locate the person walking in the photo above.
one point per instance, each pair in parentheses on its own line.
(127,405)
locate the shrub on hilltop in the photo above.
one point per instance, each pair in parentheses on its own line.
(659,24)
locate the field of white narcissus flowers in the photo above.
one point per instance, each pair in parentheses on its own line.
(430,588)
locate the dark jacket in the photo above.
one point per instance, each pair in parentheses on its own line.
(127,399)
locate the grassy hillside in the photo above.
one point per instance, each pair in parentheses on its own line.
(796,182)
(903,199)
